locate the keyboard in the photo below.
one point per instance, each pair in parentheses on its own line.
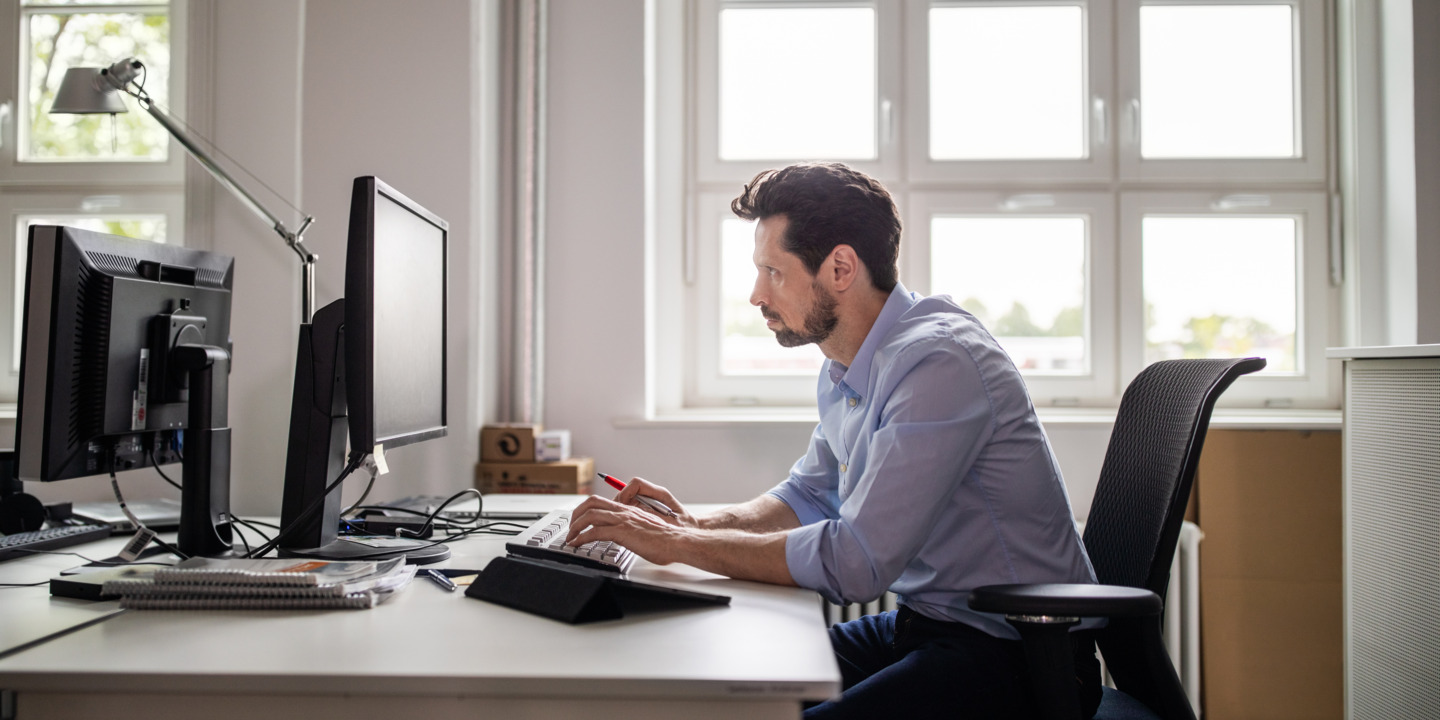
(545,540)
(19,544)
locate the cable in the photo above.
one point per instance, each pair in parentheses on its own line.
(363,495)
(140,527)
(305,516)
(167,479)
(485,529)
(63,552)
(243,540)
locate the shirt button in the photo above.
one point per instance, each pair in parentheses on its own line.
(854,402)
(844,468)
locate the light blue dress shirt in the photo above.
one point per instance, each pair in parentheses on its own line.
(929,473)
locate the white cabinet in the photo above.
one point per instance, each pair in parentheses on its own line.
(1392,531)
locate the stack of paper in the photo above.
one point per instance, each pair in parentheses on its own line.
(263,584)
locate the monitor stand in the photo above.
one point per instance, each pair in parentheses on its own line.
(205,525)
(316,455)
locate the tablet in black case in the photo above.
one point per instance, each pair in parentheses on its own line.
(574,594)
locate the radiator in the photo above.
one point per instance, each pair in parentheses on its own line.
(1181,628)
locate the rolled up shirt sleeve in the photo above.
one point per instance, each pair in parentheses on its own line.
(811,490)
(934,420)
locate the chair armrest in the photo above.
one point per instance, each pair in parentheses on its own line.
(1066,599)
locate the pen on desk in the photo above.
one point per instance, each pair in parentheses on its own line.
(656,505)
(440,579)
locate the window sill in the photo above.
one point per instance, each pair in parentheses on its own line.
(1227,419)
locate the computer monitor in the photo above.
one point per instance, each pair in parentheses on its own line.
(124,364)
(371,367)
(395,290)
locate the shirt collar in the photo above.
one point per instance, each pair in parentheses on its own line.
(857,376)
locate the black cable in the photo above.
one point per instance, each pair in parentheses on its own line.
(139,526)
(309,512)
(170,548)
(482,530)
(63,552)
(250,524)
(363,495)
(20,585)
(156,464)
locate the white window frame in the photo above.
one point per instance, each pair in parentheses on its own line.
(711,169)
(689,191)
(1098,163)
(1097,384)
(17,173)
(1316,301)
(81,188)
(1309,63)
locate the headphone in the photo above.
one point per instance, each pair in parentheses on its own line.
(19,511)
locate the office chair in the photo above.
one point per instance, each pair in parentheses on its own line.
(1130,535)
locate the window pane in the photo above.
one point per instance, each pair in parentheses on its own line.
(1007,82)
(797,83)
(59,41)
(747,347)
(1221,287)
(1024,278)
(143,227)
(1217,81)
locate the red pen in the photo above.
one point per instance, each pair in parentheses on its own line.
(654,504)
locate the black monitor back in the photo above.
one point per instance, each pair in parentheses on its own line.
(97,393)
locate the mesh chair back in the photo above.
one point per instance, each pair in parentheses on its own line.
(1139,505)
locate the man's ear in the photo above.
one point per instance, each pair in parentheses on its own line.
(844,268)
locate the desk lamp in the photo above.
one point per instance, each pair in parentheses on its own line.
(88,90)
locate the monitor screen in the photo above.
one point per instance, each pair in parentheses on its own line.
(395,314)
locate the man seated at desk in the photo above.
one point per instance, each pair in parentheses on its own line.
(929,473)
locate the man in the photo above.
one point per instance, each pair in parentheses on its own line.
(929,473)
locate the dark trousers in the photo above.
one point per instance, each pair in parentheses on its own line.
(902,664)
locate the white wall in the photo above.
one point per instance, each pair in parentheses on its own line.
(387,92)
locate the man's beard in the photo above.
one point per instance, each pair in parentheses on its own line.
(819,322)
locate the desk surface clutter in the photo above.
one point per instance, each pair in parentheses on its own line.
(422,650)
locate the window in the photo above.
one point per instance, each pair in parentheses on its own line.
(111,173)
(1104,183)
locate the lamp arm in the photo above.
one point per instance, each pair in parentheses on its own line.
(292,239)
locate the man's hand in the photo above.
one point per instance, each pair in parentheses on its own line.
(655,537)
(716,543)
(639,487)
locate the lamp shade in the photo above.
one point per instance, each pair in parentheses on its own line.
(82,92)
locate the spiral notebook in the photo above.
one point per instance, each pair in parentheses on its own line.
(256,584)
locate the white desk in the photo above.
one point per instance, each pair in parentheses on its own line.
(429,653)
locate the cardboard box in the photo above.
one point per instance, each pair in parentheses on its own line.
(552,446)
(1271,586)
(508,442)
(568,477)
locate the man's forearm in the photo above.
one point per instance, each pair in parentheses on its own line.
(764,514)
(738,554)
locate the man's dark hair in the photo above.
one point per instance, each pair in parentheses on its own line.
(828,204)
